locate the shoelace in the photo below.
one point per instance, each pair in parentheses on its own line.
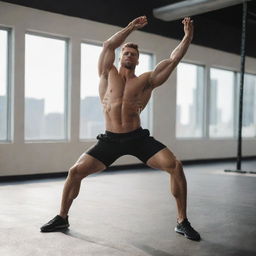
(188,226)
(54,219)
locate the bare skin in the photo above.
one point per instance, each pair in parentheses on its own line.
(123,96)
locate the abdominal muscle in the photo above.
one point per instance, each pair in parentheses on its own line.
(122,116)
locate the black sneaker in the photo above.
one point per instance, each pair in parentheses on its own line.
(56,224)
(185,229)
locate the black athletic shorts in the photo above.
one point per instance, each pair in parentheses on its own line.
(138,143)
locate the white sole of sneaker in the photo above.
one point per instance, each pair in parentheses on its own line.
(182,233)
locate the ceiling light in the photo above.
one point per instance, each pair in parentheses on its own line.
(191,7)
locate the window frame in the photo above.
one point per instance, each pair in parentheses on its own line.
(236,109)
(9,85)
(150,103)
(67,85)
(205,102)
(235,102)
(93,43)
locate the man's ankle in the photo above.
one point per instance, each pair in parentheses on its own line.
(64,216)
(180,219)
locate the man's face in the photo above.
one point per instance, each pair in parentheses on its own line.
(129,58)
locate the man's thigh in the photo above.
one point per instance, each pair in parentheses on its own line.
(163,159)
(146,148)
(87,165)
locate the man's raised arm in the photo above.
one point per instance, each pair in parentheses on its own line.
(165,67)
(107,55)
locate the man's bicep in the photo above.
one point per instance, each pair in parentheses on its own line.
(106,59)
(162,72)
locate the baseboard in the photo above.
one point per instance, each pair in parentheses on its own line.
(38,176)
(214,160)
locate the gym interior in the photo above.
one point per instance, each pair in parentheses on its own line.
(50,114)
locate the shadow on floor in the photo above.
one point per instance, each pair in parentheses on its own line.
(151,251)
(91,239)
(147,249)
(223,249)
(206,247)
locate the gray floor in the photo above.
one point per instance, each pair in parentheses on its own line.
(131,213)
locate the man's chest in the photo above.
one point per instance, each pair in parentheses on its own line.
(129,90)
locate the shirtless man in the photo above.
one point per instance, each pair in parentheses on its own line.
(124,96)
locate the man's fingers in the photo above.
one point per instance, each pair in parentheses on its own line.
(142,20)
(187,21)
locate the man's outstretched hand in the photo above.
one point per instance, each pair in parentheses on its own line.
(139,22)
(188,26)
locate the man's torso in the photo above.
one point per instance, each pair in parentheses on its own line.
(123,101)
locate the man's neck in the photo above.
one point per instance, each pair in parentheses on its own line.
(126,73)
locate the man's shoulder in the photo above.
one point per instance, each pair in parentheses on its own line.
(113,69)
(145,75)
(105,74)
(145,79)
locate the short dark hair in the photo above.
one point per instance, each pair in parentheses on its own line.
(131,45)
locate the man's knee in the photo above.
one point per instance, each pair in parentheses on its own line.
(75,172)
(174,166)
(179,164)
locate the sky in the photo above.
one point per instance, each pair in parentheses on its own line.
(45,71)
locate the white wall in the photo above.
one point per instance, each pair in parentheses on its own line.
(19,157)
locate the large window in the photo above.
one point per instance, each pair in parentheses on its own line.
(91,114)
(45,88)
(249,106)
(221,103)
(4,95)
(190,94)
(222,107)
(145,65)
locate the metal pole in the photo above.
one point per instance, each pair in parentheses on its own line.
(240,122)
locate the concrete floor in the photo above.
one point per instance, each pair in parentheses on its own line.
(131,213)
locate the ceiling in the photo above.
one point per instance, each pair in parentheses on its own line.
(219,29)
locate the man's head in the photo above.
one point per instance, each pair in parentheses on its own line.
(129,56)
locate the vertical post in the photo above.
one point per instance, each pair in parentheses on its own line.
(240,122)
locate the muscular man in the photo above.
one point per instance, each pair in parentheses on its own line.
(124,96)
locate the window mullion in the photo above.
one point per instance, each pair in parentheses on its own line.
(207,104)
